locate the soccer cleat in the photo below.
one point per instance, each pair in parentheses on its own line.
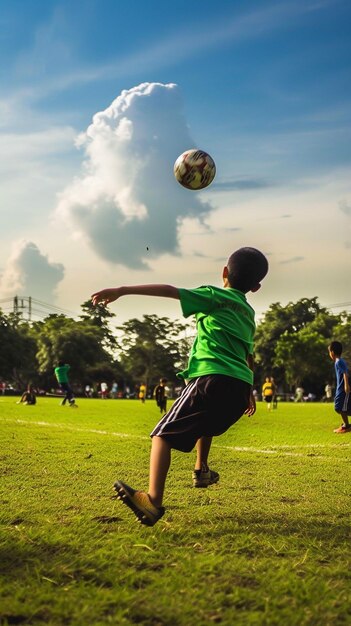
(204,478)
(140,503)
(342,429)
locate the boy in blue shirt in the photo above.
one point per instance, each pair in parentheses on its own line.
(342,399)
(219,375)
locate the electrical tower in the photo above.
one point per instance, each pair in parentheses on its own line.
(20,305)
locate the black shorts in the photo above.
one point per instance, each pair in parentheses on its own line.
(342,403)
(268,398)
(207,407)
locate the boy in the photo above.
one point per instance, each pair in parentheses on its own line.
(219,375)
(61,373)
(342,399)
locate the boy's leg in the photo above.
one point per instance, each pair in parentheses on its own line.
(70,396)
(147,506)
(203,446)
(160,458)
(202,475)
(345,419)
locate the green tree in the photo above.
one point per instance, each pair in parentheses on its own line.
(100,317)
(75,342)
(279,320)
(342,333)
(18,350)
(153,347)
(304,357)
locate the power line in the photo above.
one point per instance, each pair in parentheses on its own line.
(54,307)
(338,306)
(32,306)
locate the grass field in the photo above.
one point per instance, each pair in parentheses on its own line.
(269,544)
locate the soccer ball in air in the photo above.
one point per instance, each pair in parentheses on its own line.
(194,169)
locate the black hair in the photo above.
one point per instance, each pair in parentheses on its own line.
(61,363)
(246,268)
(336,347)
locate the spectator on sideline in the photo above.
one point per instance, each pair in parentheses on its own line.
(328,393)
(28,396)
(104,391)
(88,391)
(114,390)
(299,391)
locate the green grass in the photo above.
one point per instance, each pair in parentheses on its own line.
(269,544)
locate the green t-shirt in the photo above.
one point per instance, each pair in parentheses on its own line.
(225,332)
(61,373)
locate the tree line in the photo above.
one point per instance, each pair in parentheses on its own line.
(137,351)
(291,345)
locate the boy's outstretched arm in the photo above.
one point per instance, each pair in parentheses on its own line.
(105,296)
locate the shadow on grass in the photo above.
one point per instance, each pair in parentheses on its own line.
(106,519)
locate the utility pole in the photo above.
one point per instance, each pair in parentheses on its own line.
(22,304)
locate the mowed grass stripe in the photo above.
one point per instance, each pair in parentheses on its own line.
(283,450)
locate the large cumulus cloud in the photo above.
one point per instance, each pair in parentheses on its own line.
(29,272)
(126,202)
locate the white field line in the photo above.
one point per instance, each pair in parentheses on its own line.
(74,428)
(282,450)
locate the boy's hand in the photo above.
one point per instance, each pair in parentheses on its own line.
(251,409)
(105,296)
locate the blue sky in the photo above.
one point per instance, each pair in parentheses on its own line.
(88,202)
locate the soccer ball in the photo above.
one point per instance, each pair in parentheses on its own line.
(194,169)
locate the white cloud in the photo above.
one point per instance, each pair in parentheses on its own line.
(345,207)
(28,272)
(34,165)
(126,202)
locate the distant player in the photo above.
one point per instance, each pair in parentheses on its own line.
(28,396)
(160,394)
(219,375)
(142,393)
(61,373)
(342,398)
(268,392)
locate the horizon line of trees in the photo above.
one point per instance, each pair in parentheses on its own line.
(291,345)
(141,350)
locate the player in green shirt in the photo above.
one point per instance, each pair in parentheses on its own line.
(219,375)
(61,373)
